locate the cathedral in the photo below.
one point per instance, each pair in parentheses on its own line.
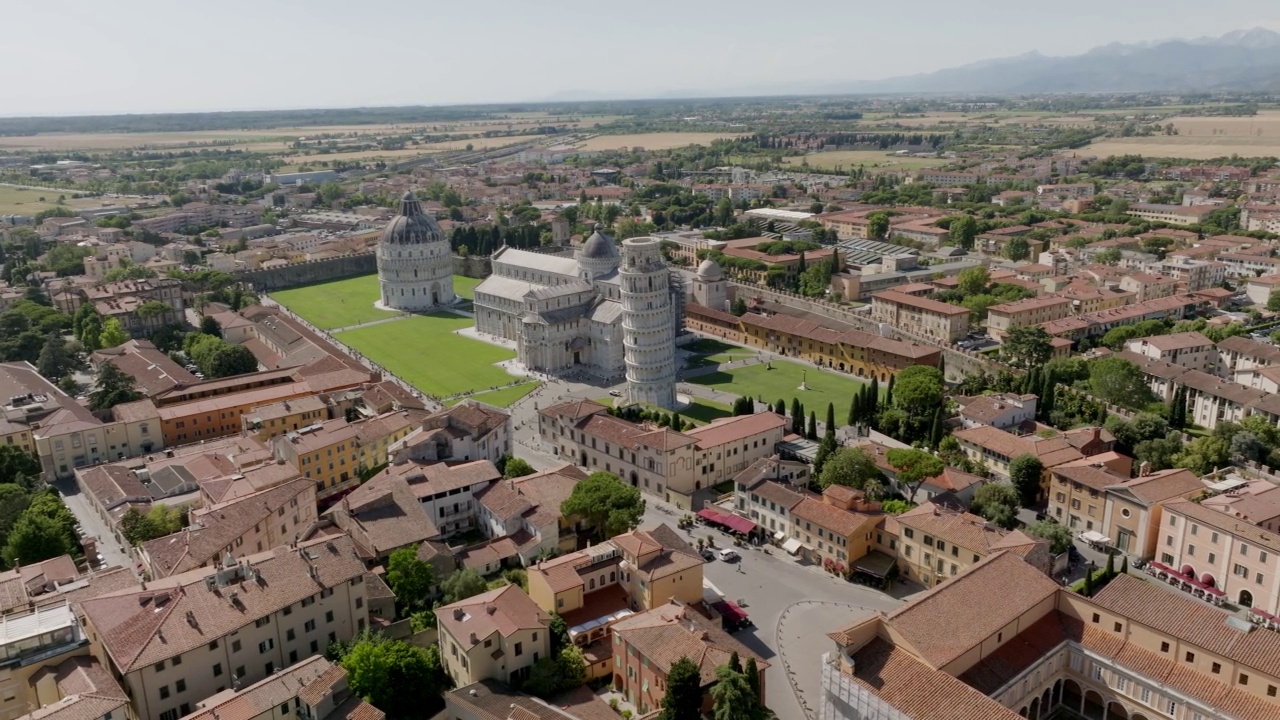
(571,313)
(415,263)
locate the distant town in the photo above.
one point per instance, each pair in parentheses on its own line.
(830,408)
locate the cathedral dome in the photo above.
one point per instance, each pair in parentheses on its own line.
(598,247)
(412,226)
(709,271)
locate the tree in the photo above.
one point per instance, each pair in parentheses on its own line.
(1027,346)
(733,698)
(878,225)
(382,671)
(18,466)
(738,308)
(1025,472)
(912,467)
(962,232)
(998,503)
(918,392)
(410,579)
(1204,455)
(14,500)
(974,280)
(1273,301)
(159,521)
(113,334)
(209,326)
(850,466)
(1017,249)
(1059,536)
(753,676)
(812,431)
(231,360)
(56,361)
(559,631)
(610,506)
(90,335)
(1119,382)
(1159,452)
(517,467)
(683,700)
(461,585)
(34,538)
(112,387)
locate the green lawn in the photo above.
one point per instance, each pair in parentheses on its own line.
(707,352)
(340,303)
(783,381)
(502,398)
(425,352)
(343,303)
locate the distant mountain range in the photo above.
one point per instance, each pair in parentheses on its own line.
(1246,60)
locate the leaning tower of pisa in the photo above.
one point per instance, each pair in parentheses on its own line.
(648,328)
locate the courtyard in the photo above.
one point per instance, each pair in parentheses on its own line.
(780,380)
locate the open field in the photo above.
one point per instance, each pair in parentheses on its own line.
(847,159)
(504,397)
(336,304)
(20,201)
(406,153)
(706,352)
(758,381)
(425,351)
(654,141)
(465,287)
(1201,138)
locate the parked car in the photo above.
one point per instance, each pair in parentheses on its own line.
(708,555)
(728,554)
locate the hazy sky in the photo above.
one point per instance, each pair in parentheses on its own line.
(90,56)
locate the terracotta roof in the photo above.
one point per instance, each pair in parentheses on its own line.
(312,681)
(86,691)
(492,700)
(843,522)
(1096,478)
(962,529)
(1162,485)
(734,429)
(383,515)
(504,611)
(573,409)
(140,627)
(670,632)
(1003,585)
(1051,451)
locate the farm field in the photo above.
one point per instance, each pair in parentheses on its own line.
(1201,138)
(408,152)
(782,381)
(425,351)
(653,141)
(847,159)
(20,201)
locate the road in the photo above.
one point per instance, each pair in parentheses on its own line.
(92,525)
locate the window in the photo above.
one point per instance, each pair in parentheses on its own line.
(1146,695)
(359,603)
(1271,691)
(176,660)
(262,621)
(213,645)
(235,646)
(328,616)
(1164,647)
(519,649)
(284,709)
(309,626)
(164,691)
(181,686)
(1244,679)
(169,715)
(239,672)
(1118,627)
(290,635)
(1215,668)
(1191,657)
(1097,618)
(160,666)
(217,669)
(266,645)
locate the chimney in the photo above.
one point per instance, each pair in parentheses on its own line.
(1097,433)
(1144,469)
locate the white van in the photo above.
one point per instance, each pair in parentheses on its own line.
(727,554)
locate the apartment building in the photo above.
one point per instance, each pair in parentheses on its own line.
(1078,327)
(315,688)
(659,461)
(335,453)
(1003,317)
(467,431)
(1002,411)
(181,639)
(1078,494)
(1195,274)
(1135,508)
(996,448)
(1171,214)
(1241,265)
(643,654)
(136,303)
(937,321)
(34,643)
(76,688)
(242,526)
(496,635)
(1038,649)
(527,510)
(766,493)
(837,529)
(1148,286)
(1260,289)
(1190,350)
(448,492)
(267,421)
(634,572)
(936,542)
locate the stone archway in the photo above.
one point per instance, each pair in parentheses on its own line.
(635,479)
(1116,711)
(1033,712)
(1094,709)
(1246,599)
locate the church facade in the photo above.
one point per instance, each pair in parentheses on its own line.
(415,263)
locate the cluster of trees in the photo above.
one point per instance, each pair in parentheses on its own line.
(216,357)
(34,525)
(157,522)
(382,671)
(744,406)
(94,333)
(608,505)
(976,292)
(26,326)
(735,696)
(639,413)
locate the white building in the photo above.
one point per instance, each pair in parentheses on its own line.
(415,264)
(648,325)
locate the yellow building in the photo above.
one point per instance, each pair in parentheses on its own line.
(830,532)
(936,543)
(938,321)
(496,635)
(335,452)
(267,421)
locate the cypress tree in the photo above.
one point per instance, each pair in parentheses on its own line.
(873,395)
(831,419)
(812,432)
(853,409)
(781,407)
(797,417)
(888,393)
(753,676)
(935,432)
(1047,398)
(1088,582)
(735,663)
(1111,567)
(942,367)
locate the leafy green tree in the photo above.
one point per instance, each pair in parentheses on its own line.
(559,631)
(739,307)
(130,271)
(230,360)
(410,579)
(210,326)
(34,538)
(1059,536)
(753,677)
(1025,472)
(1204,455)
(18,466)
(91,333)
(14,500)
(852,467)
(1273,301)
(112,387)
(1017,249)
(517,467)
(1161,453)
(998,503)
(918,392)
(67,260)
(974,280)
(878,225)
(113,334)
(683,700)
(461,585)
(610,506)
(733,697)
(56,360)
(962,231)
(158,522)
(912,467)
(1027,346)
(1119,382)
(382,671)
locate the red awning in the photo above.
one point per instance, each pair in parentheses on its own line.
(709,514)
(736,523)
(731,610)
